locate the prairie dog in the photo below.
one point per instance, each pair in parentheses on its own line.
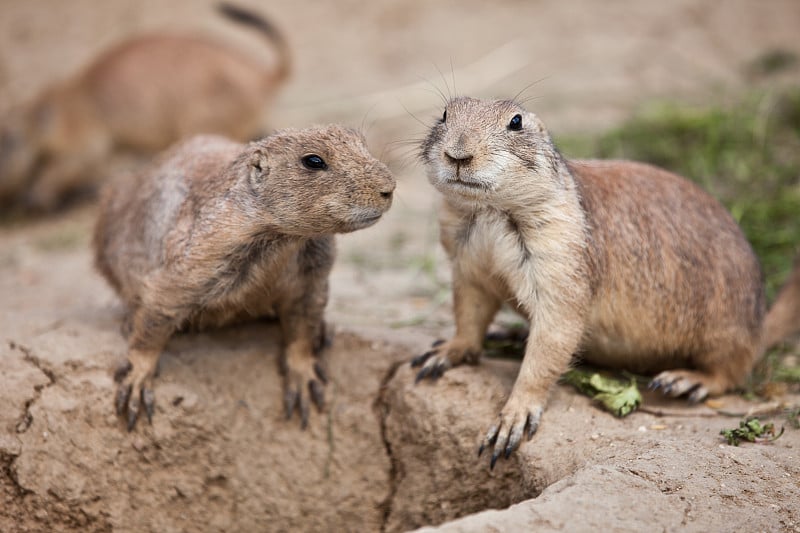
(219,232)
(141,95)
(628,265)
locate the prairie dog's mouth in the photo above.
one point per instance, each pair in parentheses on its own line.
(365,218)
(460,185)
(466,183)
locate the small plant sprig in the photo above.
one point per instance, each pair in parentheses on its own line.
(751,430)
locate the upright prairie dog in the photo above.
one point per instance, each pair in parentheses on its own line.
(218,232)
(142,95)
(628,265)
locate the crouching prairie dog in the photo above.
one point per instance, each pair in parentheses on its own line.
(218,232)
(140,96)
(628,265)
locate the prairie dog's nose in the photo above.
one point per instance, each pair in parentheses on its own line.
(387,187)
(460,151)
(457,158)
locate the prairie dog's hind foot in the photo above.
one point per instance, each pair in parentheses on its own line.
(442,356)
(693,384)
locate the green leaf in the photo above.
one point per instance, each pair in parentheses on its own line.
(617,396)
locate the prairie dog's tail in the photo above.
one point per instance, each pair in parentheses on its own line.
(266,28)
(783,318)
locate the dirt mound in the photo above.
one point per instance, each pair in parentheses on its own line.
(585,466)
(218,456)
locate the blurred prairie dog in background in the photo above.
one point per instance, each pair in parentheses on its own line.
(626,264)
(141,95)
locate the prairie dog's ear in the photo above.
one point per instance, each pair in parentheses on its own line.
(257,165)
(535,123)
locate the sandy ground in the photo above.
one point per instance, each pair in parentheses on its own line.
(385,454)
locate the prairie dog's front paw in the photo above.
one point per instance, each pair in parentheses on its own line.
(443,355)
(304,382)
(506,434)
(135,378)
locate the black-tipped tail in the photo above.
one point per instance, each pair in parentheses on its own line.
(265,27)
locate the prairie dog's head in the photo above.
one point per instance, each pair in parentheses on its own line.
(19,150)
(33,133)
(316,181)
(484,150)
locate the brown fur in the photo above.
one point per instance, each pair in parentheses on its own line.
(783,319)
(627,264)
(218,232)
(142,95)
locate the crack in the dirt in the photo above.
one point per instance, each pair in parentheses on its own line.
(381,407)
(26,419)
(7,461)
(664,487)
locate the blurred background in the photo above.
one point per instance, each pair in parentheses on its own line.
(708,89)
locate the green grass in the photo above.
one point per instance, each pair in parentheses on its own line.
(746,154)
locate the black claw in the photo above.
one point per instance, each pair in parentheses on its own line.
(513,444)
(122,371)
(692,394)
(123,394)
(133,412)
(422,374)
(290,398)
(437,342)
(148,400)
(480,449)
(513,441)
(437,372)
(317,393)
(495,455)
(303,412)
(491,435)
(319,370)
(533,425)
(653,385)
(420,359)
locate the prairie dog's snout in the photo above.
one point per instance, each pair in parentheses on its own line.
(384,182)
(461,150)
(369,206)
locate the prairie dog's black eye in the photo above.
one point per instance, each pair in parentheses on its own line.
(314,162)
(516,123)
(444,116)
